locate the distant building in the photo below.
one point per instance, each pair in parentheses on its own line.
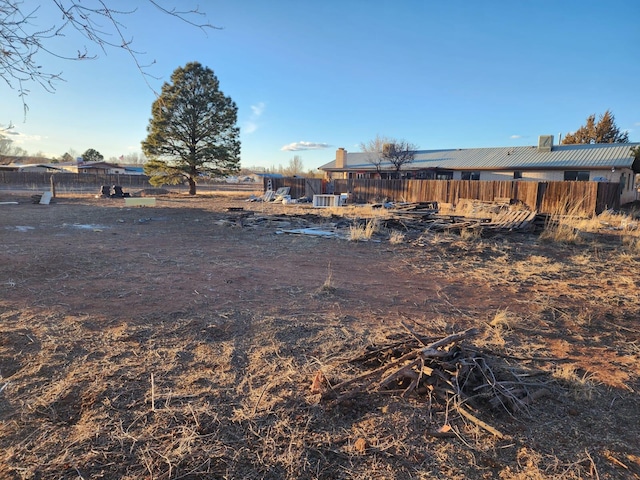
(610,162)
(133,170)
(92,167)
(7,160)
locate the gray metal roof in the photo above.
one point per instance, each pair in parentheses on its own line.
(594,156)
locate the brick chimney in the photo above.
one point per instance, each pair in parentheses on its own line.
(341,158)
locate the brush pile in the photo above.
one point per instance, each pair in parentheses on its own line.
(448,373)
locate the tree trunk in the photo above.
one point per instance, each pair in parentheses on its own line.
(192,186)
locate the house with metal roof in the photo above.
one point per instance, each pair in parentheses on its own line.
(92,167)
(603,162)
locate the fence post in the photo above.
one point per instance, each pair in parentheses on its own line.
(52,182)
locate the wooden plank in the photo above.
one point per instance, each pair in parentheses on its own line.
(525,220)
(140,201)
(512,220)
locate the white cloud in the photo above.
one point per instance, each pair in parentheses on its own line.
(257,109)
(296,146)
(251,125)
(515,137)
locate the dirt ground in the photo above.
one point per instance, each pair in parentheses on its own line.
(180,341)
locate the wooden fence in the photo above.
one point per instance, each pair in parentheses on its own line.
(579,198)
(299,186)
(71,181)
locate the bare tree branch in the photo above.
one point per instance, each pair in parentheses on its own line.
(23,40)
(399,153)
(373,149)
(382,150)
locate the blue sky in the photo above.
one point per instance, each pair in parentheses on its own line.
(309,77)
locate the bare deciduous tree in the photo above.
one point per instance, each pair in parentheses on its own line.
(373,149)
(23,40)
(7,148)
(399,153)
(295,167)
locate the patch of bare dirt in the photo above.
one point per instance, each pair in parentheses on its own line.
(181,341)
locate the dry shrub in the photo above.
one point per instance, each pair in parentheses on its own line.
(500,323)
(631,243)
(566,222)
(501,320)
(561,232)
(396,237)
(359,232)
(328,286)
(470,234)
(581,387)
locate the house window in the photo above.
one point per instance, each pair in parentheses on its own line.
(470,175)
(517,175)
(424,175)
(444,175)
(576,175)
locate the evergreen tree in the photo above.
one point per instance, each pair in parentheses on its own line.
(192,130)
(67,157)
(603,131)
(92,155)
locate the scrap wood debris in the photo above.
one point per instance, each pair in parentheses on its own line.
(499,215)
(448,373)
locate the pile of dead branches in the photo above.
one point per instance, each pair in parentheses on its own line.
(449,373)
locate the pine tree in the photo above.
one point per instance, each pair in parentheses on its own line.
(604,131)
(192,130)
(92,155)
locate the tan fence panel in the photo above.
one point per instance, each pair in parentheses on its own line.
(581,198)
(576,198)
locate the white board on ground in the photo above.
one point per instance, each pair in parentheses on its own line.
(46,198)
(140,201)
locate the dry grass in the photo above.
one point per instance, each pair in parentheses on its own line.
(567,228)
(631,243)
(581,386)
(470,234)
(396,237)
(359,232)
(230,323)
(563,231)
(328,286)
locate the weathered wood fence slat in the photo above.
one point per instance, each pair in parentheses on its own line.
(578,198)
